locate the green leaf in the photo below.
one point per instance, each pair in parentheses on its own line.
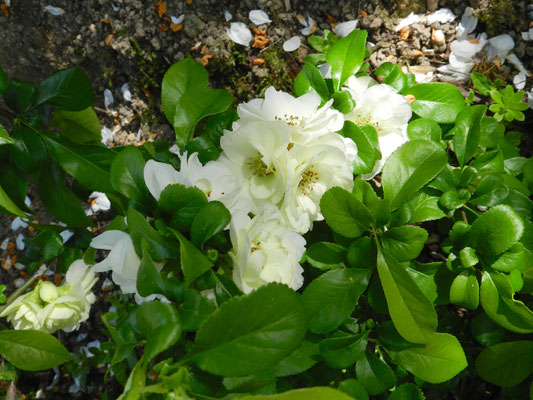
(495,231)
(366,139)
(182,203)
(48,243)
(314,393)
(362,253)
(411,311)
(194,310)
(409,168)
(148,278)
(127,174)
(69,89)
(510,260)
(424,207)
(160,325)
(58,199)
(193,261)
(79,126)
(179,78)
(375,375)
(346,57)
(88,164)
(210,220)
(28,151)
(407,391)
(506,364)
(4,136)
(324,255)
(252,333)
(19,95)
(498,302)
(32,350)
(490,191)
(343,351)
(486,331)
(465,290)
(424,128)
(8,205)
(160,247)
(439,360)
(343,102)
(354,388)
(438,101)
(310,80)
(331,298)
(300,360)
(482,83)
(3,81)
(392,75)
(404,243)
(194,105)
(344,213)
(467,132)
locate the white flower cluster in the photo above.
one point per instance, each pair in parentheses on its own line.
(280,157)
(48,307)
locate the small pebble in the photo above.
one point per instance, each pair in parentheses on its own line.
(19,282)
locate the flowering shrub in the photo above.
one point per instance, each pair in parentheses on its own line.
(282,249)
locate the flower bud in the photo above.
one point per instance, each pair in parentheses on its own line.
(48,292)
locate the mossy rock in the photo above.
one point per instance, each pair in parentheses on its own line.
(497,15)
(403,8)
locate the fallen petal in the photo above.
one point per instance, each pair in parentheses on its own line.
(292,44)
(177,20)
(345,28)
(125,89)
(468,23)
(409,20)
(54,10)
(227,16)
(519,80)
(259,17)
(239,33)
(108,98)
(443,16)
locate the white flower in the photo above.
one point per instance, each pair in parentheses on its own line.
(99,202)
(302,114)
(313,169)
(265,250)
(381,107)
(468,23)
(256,152)
(122,259)
(239,33)
(442,15)
(215,179)
(500,46)
(49,308)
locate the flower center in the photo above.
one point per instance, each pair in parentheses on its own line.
(367,120)
(258,167)
(291,120)
(309,178)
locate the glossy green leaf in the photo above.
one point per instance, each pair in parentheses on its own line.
(510,260)
(392,75)
(252,333)
(58,199)
(127,174)
(344,213)
(324,255)
(314,393)
(68,89)
(506,364)
(346,56)
(374,374)
(490,191)
(19,95)
(300,360)
(4,136)
(343,102)
(497,299)
(412,312)
(424,128)
(486,331)
(438,101)
(465,290)
(439,360)
(404,243)
(194,310)
(409,168)
(365,138)
(149,280)
(354,388)
(211,219)
(467,132)
(495,231)
(88,164)
(28,151)
(343,351)
(424,207)
(407,391)
(182,203)
(79,126)
(160,247)
(310,80)
(331,298)
(160,325)
(8,205)
(32,350)
(193,261)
